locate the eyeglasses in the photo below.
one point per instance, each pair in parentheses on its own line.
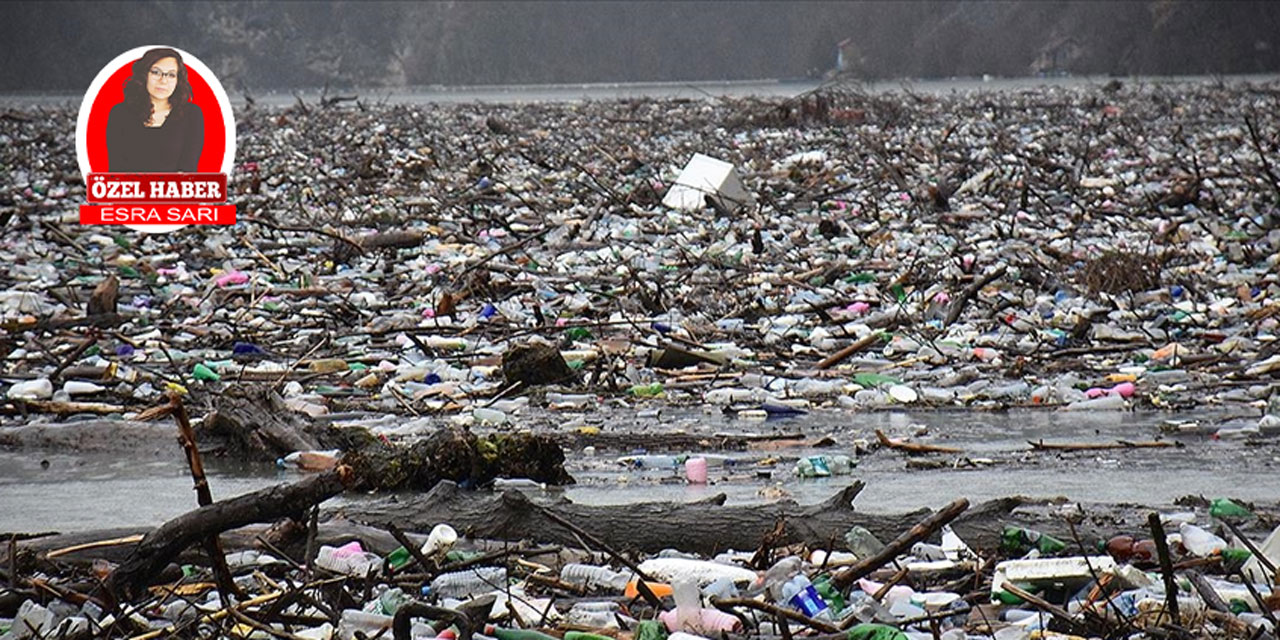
(164,75)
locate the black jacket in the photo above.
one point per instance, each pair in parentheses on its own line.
(172,147)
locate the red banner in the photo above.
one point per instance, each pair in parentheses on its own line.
(158,213)
(152,188)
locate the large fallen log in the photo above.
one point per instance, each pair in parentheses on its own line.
(161,545)
(704,527)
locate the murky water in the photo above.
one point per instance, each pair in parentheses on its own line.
(147,486)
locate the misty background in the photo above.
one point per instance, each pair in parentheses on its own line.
(260,45)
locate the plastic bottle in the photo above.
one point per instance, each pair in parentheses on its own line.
(349,559)
(41,389)
(489,416)
(311,460)
(779,574)
(870,631)
(861,542)
(800,593)
(517,634)
(32,620)
(813,467)
(598,615)
(695,470)
(651,390)
(1020,540)
(1199,542)
(1223,508)
(1103,403)
(593,576)
(841,465)
(461,584)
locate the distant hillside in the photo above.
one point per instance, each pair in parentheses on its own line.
(259,45)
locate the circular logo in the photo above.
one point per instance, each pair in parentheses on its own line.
(107,95)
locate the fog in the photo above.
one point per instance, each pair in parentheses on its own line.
(257,46)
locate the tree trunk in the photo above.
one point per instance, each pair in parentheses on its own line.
(703,527)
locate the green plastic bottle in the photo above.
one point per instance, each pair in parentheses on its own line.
(646,390)
(583,635)
(1233,559)
(201,372)
(1021,540)
(829,593)
(1223,508)
(871,631)
(650,630)
(398,559)
(519,634)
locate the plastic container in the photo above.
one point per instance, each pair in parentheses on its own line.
(594,577)
(463,584)
(349,559)
(695,470)
(489,416)
(40,389)
(1199,542)
(440,540)
(311,460)
(370,624)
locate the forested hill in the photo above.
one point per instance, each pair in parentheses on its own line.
(59,46)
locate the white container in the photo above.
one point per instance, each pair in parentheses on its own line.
(343,561)
(440,540)
(370,624)
(1049,570)
(1104,403)
(463,584)
(489,416)
(76,387)
(593,576)
(670,569)
(40,389)
(1270,548)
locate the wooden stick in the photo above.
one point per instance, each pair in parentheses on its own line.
(1098,446)
(854,347)
(1264,560)
(724,604)
(1041,604)
(920,531)
(187,436)
(1166,568)
(410,547)
(969,292)
(94,545)
(641,585)
(913,447)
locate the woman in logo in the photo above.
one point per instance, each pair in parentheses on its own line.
(157,128)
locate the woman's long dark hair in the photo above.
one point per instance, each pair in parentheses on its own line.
(138,100)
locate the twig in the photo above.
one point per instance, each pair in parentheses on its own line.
(187,437)
(970,291)
(1166,567)
(641,584)
(920,531)
(724,604)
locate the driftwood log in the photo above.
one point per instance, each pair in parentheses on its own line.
(161,545)
(707,526)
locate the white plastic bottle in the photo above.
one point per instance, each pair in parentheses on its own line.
(461,584)
(1199,542)
(594,576)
